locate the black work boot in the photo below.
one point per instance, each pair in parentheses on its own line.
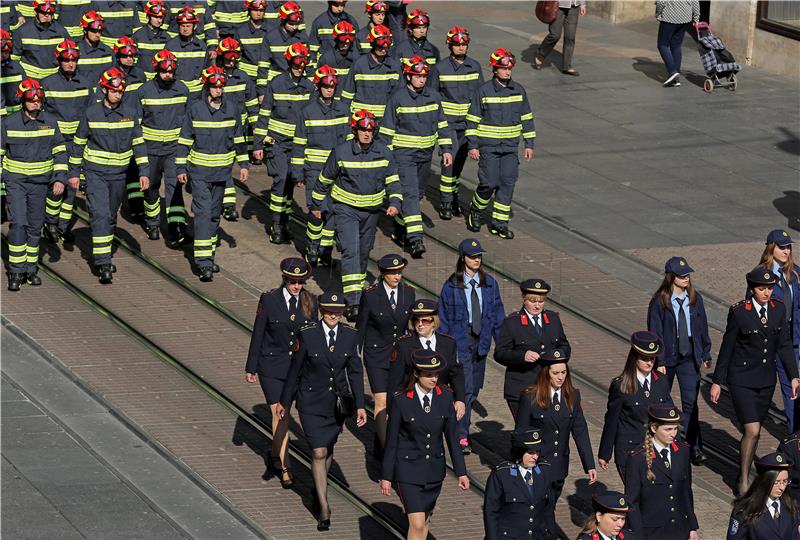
(417,248)
(312,254)
(399,234)
(230,213)
(446,210)
(33,279)
(276,234)
(325,257)
(105,273)
(501,230)
(14,281)
(51,232)
(457,210)
(473,219)
(152,232)
(206,274)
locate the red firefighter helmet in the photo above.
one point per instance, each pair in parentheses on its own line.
(291,12)
(5,39)
(155,8)
(502,58)
(255,5)
(229,47)
(93,21)
(344,31)
(113,79)
(30,90)
(416,65)
(376,6)
(165,60)
(214,76)
(125,46)
(67,50)
(326,76)
(418,17)
(380,35)
(363,119)
(187,15)
(457,35)
(297,54)
(44,6)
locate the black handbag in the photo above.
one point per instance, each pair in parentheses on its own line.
(345,404)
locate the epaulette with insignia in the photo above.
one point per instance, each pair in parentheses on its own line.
(793,437)
(375,286)
(543,462)
(739,304)
(311,324)
(404,336)
(504,465)
(636,451)
(512,315)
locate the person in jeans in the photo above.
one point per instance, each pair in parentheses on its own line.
(567,21)
(674,17)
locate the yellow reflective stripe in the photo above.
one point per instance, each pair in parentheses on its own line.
(455,109)
(235,88)
(44,42)
(121,124)
(252,41)
(211,160)
(290,97)
(66,94)
(413,141)
(12,78)
(501,99)
(27,168)
(342,72)
(377,110)
(68,128)
(325,123)
(283,128)
(200,124)
(36,72)
(227,17)
(151,46)
(165,101)
(116,14)
(363,164)
(48,132)
(316,155)
(250,69)
(190,54)
(416,110)
(354,199)
(160,135)
(499,132)
(526,116)
(377,77)
(95,61)
(459,78)
(107,158)
(473,118)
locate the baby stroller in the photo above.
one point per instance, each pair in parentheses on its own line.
(720,65)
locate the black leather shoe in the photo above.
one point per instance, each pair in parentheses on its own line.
(325,257)
(214,268)
(287,234)
(351,313)
(206,274)
(33,278)
(457,210)
(67,236)
(152,232)
(312,254)
(276,234)
(230,213)
(399,234)
(289,481)
(51,232)
(417,248)
(698,456)
(105,274)
(502,231)
(473,219)
(14,282)
(324,525)
(446,211)
(113,268)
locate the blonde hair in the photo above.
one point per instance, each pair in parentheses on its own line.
(530,297)
(435,324)
(768,258)
(649,449)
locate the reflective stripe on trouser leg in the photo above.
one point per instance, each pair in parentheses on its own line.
(488,179)
(509,172)
(17,207)
(36,195)
(409,184)
(206,207)
(356,233)
(280,196)
(173,198)
(451,175)
(313,225)
(58,208)
(160,166)
(229,198)
(104,198)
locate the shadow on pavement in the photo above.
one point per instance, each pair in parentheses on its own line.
(650,68)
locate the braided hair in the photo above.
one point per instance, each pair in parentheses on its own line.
(649,449)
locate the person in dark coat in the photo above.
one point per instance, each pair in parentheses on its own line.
(791,447)
(422,426)
(382,319)
(766,511)
(607,522)
(519,502)
(424,325)
(677,314)
(629,396)
(756,333)
(553,405)
(658,481)
(525,335)
(280,314)
(325,373)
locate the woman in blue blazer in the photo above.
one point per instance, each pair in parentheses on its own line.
(467,293)
(677,315)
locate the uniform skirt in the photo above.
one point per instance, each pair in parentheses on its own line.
(416,498)
(378,376)
(321,431)
(272,388)
(751,404)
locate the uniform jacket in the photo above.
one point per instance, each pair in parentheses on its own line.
(791,447)
(120,18)
(192,59)
(409,48)
(498,116)
(401,365)
(251,39)
(669,497)
(369,84)
(557,426)
(274,336)
(66,99)
(242,90)
(163,112)
(149,41)
(414,123)
(748,351)
(518,335)
(777,294)
(511,511)
(316,372)
(454,316)
(415,440)
(661,321)
(379,326)
(341,63)
(361,45)
(93,61)
(321,33)
(134,77)
(456,82)
(11,74)
(32,150)
(319,129)
(766,528)
(70,14)
(272,62)
(34,45)
(284,98)
(626,416)
(206,29)
(227,15)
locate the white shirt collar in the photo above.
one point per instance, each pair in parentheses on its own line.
(533,318)
(327,331)
(604,537)
(642,378)
(287,296)
(389,291)
(553,392)
(523,471)
(757,305)
(432,339)
(770,500)
(421,395)
(658,448)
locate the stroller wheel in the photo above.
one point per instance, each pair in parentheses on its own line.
(732,83)
(708,86)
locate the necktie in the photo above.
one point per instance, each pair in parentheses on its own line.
(529,481)
(665,457)
(787,295)
(762,314)
(426,403)
(684,348)
(331,339)
(537,325)
(392,301)
(776,513)
(646,387)
(556,403)
(292,306)
(428,344)
(476,309)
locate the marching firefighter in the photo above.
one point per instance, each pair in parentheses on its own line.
(376,11)
(164,101)
(456,78)
(414,123)
(35,40)
(359,174)
(252,36)
(67,96)
(321,33)
(417,44)
(33,156)
(211,140)
(95,56)
(323,124)
(70,13)
(286,94)
(120,18)
(11,75)
(290,31)
(341,56)
(126,53)
(189,50)
(153,36)
(108,136)
(227,16)
(374,76)
(498,115)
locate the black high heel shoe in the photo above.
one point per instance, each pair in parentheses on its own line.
(323,524)
(289,482)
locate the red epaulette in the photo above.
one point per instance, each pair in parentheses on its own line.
(743,303)
(410,394)
(621,535)
(679,444)
(655,375)
(545,318)
(595,536)
(438,390)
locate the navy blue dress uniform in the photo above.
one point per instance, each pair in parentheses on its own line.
(790,446)
(626,414)
(370,82)
(662,508)
(321,33)
(273,62)
(277,325)
(522,332)
(519,501)
(417,438)
(683,328)
(556,423)
(33,156)
(34,42)
(612,502)
(499,114)
(411,47)
(323,367)
(382,319)
(777,521)
(754,336)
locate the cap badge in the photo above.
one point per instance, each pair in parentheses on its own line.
(535,435)
(779,459)
(395,261)
(766,276)
(652,346)
(474,244)
(420,305)
(434,361)
(557,354)
(537,284)
(334,298)
(672,413)
(296,269)
(622,502)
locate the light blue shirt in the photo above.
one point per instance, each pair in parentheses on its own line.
(776,269)
(468,292)
(676,306)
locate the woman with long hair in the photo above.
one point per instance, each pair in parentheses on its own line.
(422,421)
(608,519)
(629,396)
(658,481)
(766,510)
(280,314)
(677,314)
(553,405)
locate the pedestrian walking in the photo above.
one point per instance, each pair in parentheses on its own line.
(566,22)
(673,18)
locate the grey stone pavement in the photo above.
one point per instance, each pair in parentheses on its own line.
(72,469)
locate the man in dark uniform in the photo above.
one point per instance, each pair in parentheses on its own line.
(525,335)
(321,33)
(273,61)
(416,42)
(519,501)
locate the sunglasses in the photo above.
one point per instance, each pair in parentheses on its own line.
(787,247)
(295,282)
(426,321)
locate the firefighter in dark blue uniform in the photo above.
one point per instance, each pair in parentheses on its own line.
(519,501)
(280,315)
(151,37)
(11,74)
(342,55)
(607,522)
(383,318)
(374,76)
(321,33)
(791,447)
(95,56)
(326,380)
(273,60)
(416,42)
(376,11)
(422,427)
(35,40)
(525,335)
(190,50)
(629,396)
(658,480)
(756,335)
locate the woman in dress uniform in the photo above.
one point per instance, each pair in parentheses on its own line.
(424,324)
(279,316)
(608,520)
(629,397)
(677,314)
(382,318)
(766,511)
(524,336)
(519,502)
(790,446)
(553,405)
(658,481)
(756,333)
(422,421)
(325,371)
